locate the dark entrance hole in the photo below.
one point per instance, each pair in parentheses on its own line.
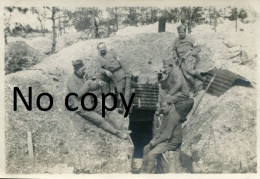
(141,124)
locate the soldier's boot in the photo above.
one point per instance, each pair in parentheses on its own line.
(107,127)
(125,126)
(121,135)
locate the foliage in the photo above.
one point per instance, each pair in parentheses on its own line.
(16,62)
(81,18)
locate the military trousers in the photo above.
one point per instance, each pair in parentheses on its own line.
(112,122)
(150,155)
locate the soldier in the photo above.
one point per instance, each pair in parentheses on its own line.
(186,53)
(110,67)
(175,88)
(169,137)
(112,123)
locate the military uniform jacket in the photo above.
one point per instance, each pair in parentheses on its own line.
(170,130)
(182,48)
(109,62)
(79,86)
(176,85)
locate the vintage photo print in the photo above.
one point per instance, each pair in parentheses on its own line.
(130,88)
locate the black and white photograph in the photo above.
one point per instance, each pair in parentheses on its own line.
(129,89)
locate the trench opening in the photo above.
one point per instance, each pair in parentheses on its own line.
(141,125)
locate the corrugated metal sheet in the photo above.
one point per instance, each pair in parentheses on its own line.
(146,96)
(223,81)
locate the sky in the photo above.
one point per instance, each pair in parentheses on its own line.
(27,18)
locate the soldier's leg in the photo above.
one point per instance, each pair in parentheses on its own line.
(117,120)
(154,153)
(184,107)
(162,94)
(120,88)
(186,75)
(113,117)
(146,150)
(190,64)
(99,121)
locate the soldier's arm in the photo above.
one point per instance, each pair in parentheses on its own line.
(167,133)
(178,82)
(80,90)
(196,47)
(123,65)
(100,69)
(174,50)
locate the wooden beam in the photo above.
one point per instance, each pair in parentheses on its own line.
(30,146)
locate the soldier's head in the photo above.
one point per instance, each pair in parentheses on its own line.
(168,65)
(102,48)
(79,68)
(181,31)
(166,107)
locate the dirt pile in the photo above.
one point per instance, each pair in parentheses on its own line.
(20,56)
(213,44)
(59,136)
(216,42)
(44,44)
(221,136)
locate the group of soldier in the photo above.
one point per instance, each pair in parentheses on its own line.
(175,101)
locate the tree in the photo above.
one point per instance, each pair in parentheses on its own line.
(234,16)
(87,19)
(53,10)
(131,16)
(192,15)
(9,10)
(242,14)
(114,18)
(41,16)
(162,21)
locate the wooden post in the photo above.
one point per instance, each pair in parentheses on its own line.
(30,146)
(127,88)
(199,100)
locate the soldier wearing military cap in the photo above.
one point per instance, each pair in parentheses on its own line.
(175,88)
(77,83)
(186,52)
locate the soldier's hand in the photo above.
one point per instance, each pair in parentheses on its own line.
(152,143)
(101,83)
(168,96)
(195,52)
(108,73)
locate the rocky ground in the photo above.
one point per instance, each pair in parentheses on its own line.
(220,138)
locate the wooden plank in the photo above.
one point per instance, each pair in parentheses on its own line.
(30,146)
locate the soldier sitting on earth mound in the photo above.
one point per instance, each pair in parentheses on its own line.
(168,138)
(77,83)
(175,88)
(186,53)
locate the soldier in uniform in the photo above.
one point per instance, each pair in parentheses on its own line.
(186,53)
(77,83)
(169,137)
(110,67)
(175,88)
